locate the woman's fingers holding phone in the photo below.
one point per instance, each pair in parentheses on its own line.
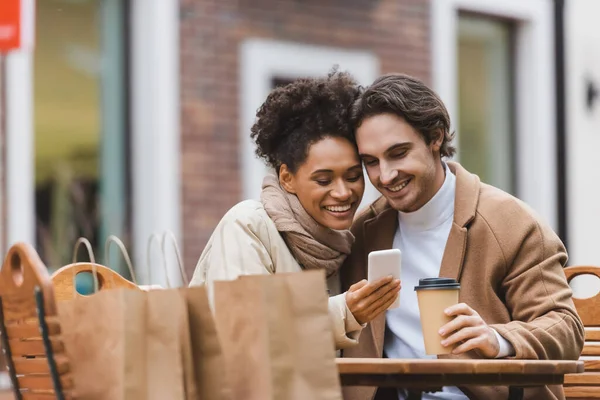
(365,299)
(384,302)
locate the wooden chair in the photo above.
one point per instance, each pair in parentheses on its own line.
(104,278)
(63,279)
(29,328)
(586,385)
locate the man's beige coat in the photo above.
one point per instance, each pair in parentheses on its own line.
(510,267)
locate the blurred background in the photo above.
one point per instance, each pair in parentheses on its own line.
(129,117)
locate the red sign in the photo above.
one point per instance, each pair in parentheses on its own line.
(10,25)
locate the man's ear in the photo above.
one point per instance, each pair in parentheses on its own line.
(437,140)
(286,179)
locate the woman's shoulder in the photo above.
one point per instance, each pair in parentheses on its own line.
(243,230)
(247,209)
(248,213)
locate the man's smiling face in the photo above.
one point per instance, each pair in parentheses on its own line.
(400,164)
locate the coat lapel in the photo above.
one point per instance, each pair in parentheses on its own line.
(380,230)
(465,208)
(454,253)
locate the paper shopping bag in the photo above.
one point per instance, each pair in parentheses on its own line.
(203,361)
(168,339)
(277,338)
(125,344)
(187,357)
(152,253)
(211,379)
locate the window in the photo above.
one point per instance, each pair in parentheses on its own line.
(278,81)
(81,138)
(485,116)
(519,142)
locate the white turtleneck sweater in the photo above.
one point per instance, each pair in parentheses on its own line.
(421,237)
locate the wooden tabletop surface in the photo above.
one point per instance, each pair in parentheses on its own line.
(431,375)
(411,373)
(459,367)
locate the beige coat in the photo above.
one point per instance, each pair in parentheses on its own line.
(247,242)
(510,267)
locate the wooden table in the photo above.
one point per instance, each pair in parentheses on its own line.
(431,375)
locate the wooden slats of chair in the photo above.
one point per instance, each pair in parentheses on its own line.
(581,392)
(33,347)
(586,385)
(38,395)
(592,365)
(591,346)
(592,334)
(32,357)
(24,366)
(41,383)
(31,329)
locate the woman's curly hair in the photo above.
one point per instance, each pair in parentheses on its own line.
(299,114)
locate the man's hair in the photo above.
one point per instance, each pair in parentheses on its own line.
(411,99)
(299,114)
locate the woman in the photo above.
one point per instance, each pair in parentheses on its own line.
(307,205)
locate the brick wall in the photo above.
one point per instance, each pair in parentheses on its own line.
(396,31)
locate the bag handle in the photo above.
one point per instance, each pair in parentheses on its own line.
(113,239)
(154,237)
(162,241)
(170,235)
(88,246)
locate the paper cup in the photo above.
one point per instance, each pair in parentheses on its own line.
(434,296)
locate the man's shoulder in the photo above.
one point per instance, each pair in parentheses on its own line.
(496,205)
(512,221)
(491,203)
(516,227)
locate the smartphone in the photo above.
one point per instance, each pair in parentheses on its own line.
(384,263)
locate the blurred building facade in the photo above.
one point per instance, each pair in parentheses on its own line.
(133,116)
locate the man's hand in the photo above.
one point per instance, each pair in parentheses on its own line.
(469,331)
(367,300)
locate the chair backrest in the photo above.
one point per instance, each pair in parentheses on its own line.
(587,385)
(63,279)
(30,329)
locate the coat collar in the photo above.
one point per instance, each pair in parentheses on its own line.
(467,194)
(465,208)
(381,228)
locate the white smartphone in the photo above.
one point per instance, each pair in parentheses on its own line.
(384,263)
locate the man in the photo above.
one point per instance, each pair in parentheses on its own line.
(515,300)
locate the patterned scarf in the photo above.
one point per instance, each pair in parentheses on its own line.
(313,245)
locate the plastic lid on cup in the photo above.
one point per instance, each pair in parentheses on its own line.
(437,283)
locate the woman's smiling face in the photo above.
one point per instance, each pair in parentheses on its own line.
(329,183)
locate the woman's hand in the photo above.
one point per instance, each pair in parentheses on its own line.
(367,300)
